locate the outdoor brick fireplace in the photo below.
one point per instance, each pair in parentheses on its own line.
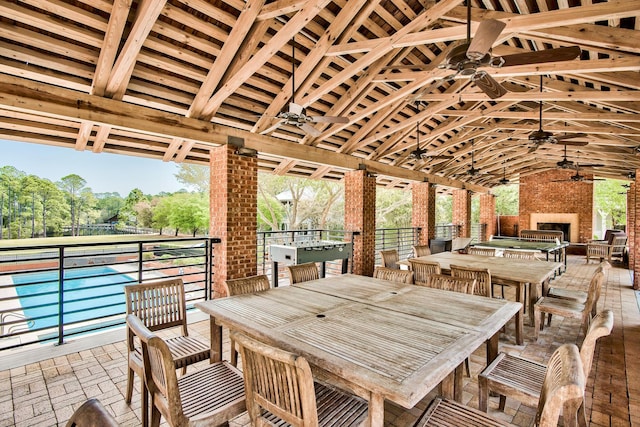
(564,205)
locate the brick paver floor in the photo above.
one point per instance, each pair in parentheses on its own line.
(42,386)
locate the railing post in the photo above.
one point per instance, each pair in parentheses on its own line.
(208,267)
(61,295)
(139,262)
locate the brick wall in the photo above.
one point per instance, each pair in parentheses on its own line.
(488,213)
(233,212)
(539,194)
(462,211)
(423,214)
(508,225)
(360,215)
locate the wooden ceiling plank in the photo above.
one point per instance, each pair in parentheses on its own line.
(146,17)
(425,19)
(229,50)
(282,37)
(279,8)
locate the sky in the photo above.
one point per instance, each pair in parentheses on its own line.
(103,172)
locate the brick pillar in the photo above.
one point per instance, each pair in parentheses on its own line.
(233,215)
(631,225)
(360,215)
(462,211)
(423,214)
(488,214)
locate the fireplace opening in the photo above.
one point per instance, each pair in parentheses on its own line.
(556,226)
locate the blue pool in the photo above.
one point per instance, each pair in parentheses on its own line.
(85,297)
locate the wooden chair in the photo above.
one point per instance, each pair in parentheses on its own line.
(390,259)
(481,251)
(578,295)
(160,305)
(515,377)
(280,389)
(449,283)
(513,254)
(482,277)
(245,285)
(567,308)
(303,272)
(423,269)
(399,276)
(421,250)
(92,414)
(562,391)
(207,397)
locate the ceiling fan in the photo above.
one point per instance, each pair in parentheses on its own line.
(540,136)
(296,114)
(565,163)
(466,58)
(422,153)
(578,178)
(504,180)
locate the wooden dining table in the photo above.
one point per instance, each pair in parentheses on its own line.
(379,339)
(516,273)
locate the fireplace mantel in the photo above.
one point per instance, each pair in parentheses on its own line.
(569,218)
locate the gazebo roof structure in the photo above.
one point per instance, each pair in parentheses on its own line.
(171,79)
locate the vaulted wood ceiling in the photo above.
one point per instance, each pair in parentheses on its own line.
(170,79)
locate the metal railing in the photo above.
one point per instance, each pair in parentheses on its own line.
(401,239)
(52,292)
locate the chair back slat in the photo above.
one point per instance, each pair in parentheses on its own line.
(423,269)
(390,259)
(481,275)
(247,285)
(481,251)
(593,293)
(563,388)
(398,276)
(421,250)
(277,381)
(303,272)
(601,326)
(159,304)
(449,283)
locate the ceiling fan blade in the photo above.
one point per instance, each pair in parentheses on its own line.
(486,35)
(532,149)
(488,85)
(571,136)
(541,56)
(574,143)
(591,165)
(272,127)
(310,130)
(329,119)
(444,157)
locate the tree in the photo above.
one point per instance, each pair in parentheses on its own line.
(128,213)
(72,185)
(10,178)
(393,208)
(507,199)
(194,176)
(190,211)
(610,201)
(109,205)
(162,212)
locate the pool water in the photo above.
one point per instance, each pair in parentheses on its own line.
(85,298)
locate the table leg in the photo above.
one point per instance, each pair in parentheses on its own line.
(492,348)
(520,313)
(447,386)
(274,274)
(376,410)
(535,290)
(215,332)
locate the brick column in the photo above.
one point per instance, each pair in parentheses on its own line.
(488,214)
(462,211)
(233,215)
(423,214)
(631,225)
(360,215)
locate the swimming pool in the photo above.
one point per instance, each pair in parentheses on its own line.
(85,297)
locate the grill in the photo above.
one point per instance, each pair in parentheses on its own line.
(309,251)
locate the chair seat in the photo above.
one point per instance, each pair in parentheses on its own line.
(512,376)
(188,350)
(563,307)
(217,389)
(335,408)
(448,413)
(570,294)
